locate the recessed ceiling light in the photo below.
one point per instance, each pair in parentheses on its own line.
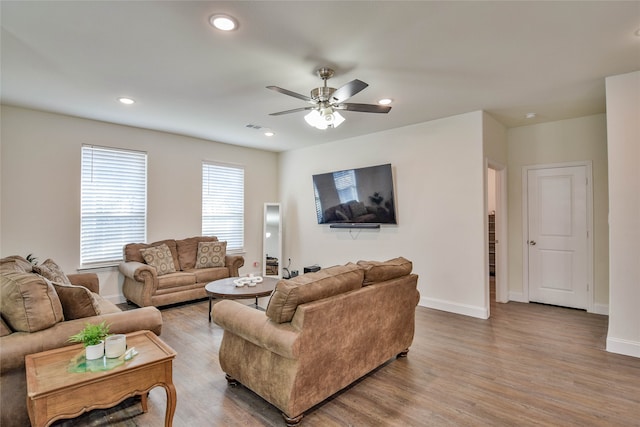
(530,116)
(127,101)
(269,133)
(223,22)
(385,101)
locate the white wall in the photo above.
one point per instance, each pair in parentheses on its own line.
(623,132)
(581,139)
(438,168)
(40,186)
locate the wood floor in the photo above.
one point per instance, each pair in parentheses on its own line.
(529,365)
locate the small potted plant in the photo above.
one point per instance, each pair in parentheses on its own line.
(92,337)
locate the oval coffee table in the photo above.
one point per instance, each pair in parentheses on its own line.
(226,289)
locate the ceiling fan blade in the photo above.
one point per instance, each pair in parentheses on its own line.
(365,108)
(295,110)
(347,91)
(290,93)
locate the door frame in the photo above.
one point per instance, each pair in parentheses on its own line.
(525,226)
(502,291)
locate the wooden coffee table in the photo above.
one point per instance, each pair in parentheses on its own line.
(54,393)
(227,289)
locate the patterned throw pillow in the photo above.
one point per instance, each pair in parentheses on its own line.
(52,271)
(159,257)
(211,254)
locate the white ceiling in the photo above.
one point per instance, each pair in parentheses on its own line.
(435,59)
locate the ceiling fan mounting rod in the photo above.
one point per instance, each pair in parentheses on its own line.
(323,94)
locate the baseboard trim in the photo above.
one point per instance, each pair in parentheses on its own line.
(453,307)
(626,347)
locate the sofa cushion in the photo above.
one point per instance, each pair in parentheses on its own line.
(289,294)
(206,275)
(105,306)
(52,271)
(380,271)
(28,303)
(211,254)
(176,280)
(188,250)
(160,258)
(78,302)
(16,263)
(132,251)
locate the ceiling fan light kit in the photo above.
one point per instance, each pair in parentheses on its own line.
(324,119)
(326,100)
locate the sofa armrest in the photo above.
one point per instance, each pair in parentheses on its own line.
(138,271)
(88,280)
(254,326)
(234,262)
(140,282)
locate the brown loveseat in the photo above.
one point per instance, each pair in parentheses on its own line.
(39,314)
(146,285)
(321,332)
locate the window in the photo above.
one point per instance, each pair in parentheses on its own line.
(113,203)
(223,204)
(346,185)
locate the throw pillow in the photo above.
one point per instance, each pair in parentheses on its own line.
(131,251)
(159,257)
(52,271)
(357,209)
(16,263)
(211,254)
(4,329)
(376,271)
(28,302)
(188,250)
(77,302)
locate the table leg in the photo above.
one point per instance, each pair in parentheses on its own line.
(210,298)
(143,401)
(171,404)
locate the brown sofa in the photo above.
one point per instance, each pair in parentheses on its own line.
(321,332)
(39,314)
(144,286)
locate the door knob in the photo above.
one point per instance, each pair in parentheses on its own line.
(532,242)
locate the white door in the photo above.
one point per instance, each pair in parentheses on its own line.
(557,236)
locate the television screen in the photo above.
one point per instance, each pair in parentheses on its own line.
(355,196)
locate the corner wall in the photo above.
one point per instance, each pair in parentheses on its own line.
(581,139)
(438,170)
(40,193)
(623,131)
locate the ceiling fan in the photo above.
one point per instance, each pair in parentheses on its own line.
(326,101)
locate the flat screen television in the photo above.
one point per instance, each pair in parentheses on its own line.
(355,196)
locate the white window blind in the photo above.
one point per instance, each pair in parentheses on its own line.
(113,203)
(346,185)
(223,204)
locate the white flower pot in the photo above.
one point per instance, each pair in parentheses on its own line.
(93,352)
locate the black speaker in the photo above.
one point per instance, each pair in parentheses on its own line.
(312,269)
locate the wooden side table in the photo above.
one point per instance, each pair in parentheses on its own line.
(54,393)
